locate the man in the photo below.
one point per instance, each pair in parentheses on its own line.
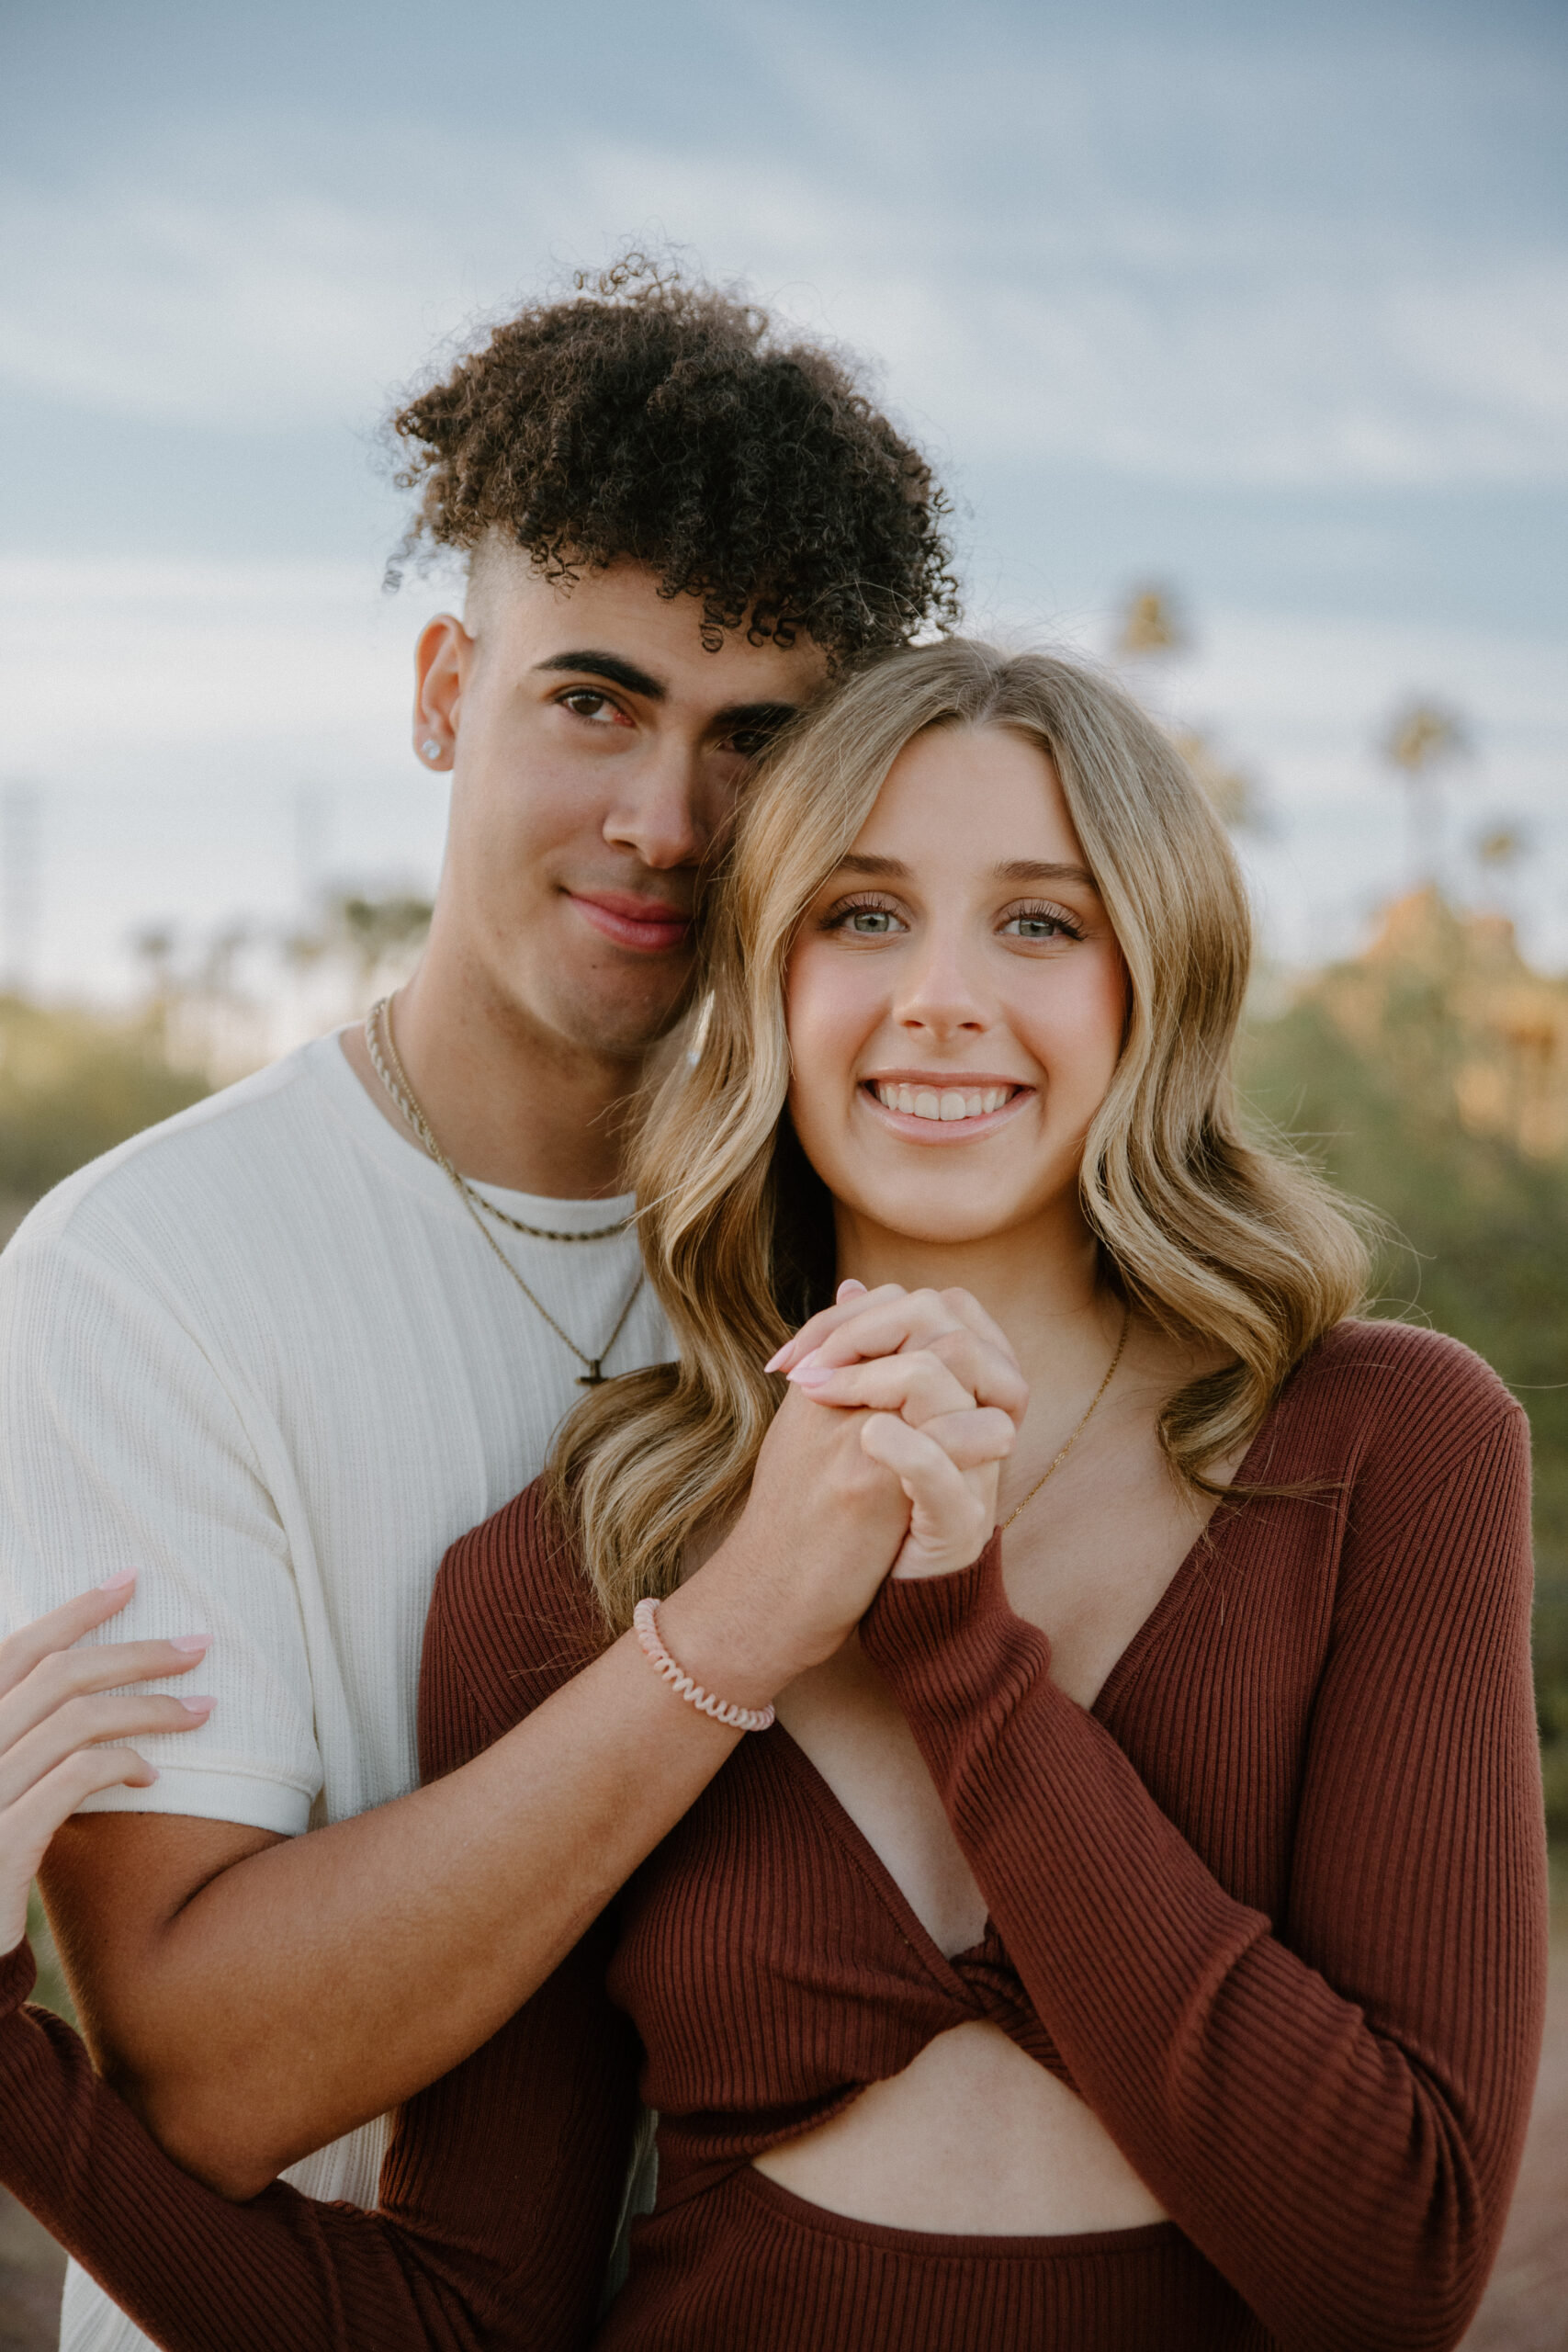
(278,1354)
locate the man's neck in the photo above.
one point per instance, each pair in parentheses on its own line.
(510,1105)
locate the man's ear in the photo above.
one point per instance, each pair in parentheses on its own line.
(441,662)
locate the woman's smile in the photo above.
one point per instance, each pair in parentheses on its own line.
(944,1106)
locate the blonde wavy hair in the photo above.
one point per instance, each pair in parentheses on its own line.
(1222,1239)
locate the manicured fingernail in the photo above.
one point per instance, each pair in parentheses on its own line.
(199,1707)
(850,1288)
(778,1356)
(810,1375)
(120,1583)
(191,1643)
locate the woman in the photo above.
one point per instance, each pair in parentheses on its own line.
(1133,1935)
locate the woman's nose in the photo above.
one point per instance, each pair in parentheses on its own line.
(941,996)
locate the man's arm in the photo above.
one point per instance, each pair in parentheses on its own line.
(254,1990)
(255,1996)
(499,2201)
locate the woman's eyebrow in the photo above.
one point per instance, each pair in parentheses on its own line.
(1013,869)
(1031,869)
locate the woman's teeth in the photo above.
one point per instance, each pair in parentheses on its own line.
(950,1103)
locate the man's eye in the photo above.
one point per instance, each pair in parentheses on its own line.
(586,702)
(749,743)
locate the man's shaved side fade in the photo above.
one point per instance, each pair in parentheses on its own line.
(655,419)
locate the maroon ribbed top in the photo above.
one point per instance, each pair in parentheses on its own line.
(1274,1905)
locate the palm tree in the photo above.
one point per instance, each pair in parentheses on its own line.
(1420,741)
(1152,622)
(1233,792)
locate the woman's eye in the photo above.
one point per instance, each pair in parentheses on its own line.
(1041,927)
(865,922)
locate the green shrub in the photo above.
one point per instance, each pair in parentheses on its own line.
(72,1086)
(1479,1249)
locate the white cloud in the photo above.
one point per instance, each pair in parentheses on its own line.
(1052,266)
(177,715)
(247,311)
(160,660)
(178,712)
(1497,339)
(1278,256)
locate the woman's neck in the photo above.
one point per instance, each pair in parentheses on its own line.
(1040,1281)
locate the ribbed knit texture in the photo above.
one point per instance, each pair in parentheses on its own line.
(749,2265)
(1275,1905)
(259,1353)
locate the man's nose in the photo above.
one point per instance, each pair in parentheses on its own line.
(661,811)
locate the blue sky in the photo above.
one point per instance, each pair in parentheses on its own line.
(1269,301)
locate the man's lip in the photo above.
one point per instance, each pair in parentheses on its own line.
(644,924)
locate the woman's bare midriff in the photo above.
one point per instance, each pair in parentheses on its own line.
(975,2139)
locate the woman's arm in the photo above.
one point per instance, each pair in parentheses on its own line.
(194,2270)
(503,2183)
(1333,2112)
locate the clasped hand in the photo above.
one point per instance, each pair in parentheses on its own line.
(882,1458)
(943,1400)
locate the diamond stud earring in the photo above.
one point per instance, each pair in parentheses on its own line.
(431,747)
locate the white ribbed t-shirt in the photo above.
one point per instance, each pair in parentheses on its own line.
(261,1354)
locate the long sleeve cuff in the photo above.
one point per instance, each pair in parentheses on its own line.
(18,1974)
(956,1658)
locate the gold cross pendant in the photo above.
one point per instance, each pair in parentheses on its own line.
(593,1377)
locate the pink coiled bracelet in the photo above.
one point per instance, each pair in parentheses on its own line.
(644,1620)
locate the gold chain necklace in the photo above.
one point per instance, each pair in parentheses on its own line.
(1126,1322)
(378,1023)
(402,1093)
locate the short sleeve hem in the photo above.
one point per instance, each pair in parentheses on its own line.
(243,1797)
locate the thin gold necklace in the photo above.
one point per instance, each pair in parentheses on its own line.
(380,1017)
(378,1023)
(1126,1323)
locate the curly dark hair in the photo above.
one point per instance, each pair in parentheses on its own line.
(656,418)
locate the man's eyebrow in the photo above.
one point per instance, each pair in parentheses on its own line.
(1014,869)
(596,664)
(767,714)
